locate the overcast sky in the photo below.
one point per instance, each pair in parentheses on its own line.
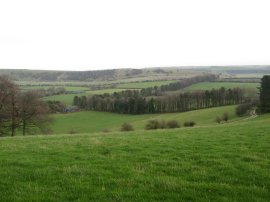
(100,34)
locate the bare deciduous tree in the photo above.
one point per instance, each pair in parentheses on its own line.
(33,112)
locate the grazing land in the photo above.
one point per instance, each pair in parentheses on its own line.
(228,162)
(68,98)
(91,121)
(86,155)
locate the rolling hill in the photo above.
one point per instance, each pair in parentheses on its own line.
(92,121)
(228,162)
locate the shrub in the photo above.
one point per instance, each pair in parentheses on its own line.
(72,131)
(153,124)
(189,123)
(173,124)
(127,127)
(218,119)
(106,130)
(162,124)
(243,109)
(225,117)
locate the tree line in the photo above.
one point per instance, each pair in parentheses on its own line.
(132,102)
(159,90)
(20,111)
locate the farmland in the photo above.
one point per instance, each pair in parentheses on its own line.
(228,162)
(85,156)
(80,90)
(90,121)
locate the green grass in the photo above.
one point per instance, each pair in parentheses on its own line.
(68,88)
(92,121)
(228,162)
(140,85)
(211,85)
(68,98)
(64,98)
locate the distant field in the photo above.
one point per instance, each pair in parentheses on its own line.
(143,84)
(68,88)
(68,98)
(210,85)
(91,121)
(228,162)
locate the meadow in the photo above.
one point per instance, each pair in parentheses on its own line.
(68,98)
(92,121)
(227,162)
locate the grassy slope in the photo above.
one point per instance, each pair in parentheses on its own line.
(228,162)
(91,121)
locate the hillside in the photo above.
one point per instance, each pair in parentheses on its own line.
(109,75)
(92,121)
(243,72)
(228,162)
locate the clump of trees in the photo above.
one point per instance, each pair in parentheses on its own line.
(189,123)
(21,111)
(218,119)
(173,124)
(160,124)
(51,91)
(56,106)
(127,127)
(223,118)
(154,124)
(264,106)
(246,107)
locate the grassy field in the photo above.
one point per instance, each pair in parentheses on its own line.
(210,85)
(91,121)
(68,98)
(228,162)
(140,85)
(67,88)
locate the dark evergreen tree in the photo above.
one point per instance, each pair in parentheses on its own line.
(265,94)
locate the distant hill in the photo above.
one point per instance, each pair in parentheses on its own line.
(146,74)
(97,75)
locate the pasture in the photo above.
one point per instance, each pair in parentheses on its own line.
(92,121)
(68,98)
(228,162)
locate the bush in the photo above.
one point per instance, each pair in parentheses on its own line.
(189,124)
(173,124)
(72,131)
(225,117)
(243,109)
(127,127)
(106,131)
(153,124)
(218,119)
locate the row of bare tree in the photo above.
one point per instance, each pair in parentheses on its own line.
(21,111)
